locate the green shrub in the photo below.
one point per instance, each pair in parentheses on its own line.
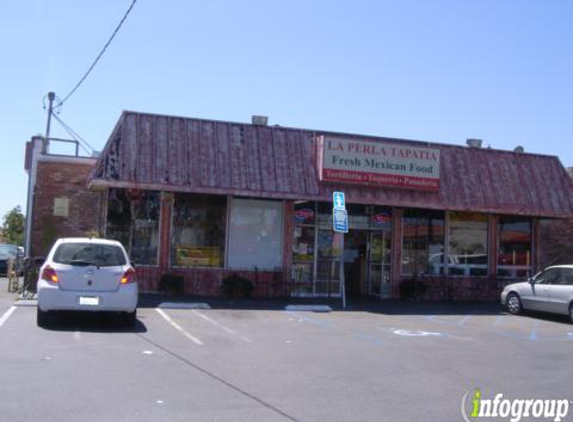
(172,284)
(235,286)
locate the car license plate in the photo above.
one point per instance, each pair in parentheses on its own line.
(89,301)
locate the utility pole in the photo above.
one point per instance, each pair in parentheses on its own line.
(51,97)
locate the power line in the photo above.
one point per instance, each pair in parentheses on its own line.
(74,135)
(100,54)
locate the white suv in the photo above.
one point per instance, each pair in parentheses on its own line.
(86,274)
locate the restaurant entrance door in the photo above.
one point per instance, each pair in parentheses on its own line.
(367,263)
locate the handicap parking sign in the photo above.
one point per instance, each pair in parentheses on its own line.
(340,220)
(338,201)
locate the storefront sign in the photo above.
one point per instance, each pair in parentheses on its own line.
(381,219)
(376,163)
(195,256)
(303,214)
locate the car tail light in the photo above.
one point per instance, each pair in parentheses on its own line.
(128,276)
(49,274)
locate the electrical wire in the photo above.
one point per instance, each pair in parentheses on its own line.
(83,143)
(99,55)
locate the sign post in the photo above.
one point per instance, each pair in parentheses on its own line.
(340,225)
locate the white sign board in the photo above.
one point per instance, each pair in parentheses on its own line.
(376,163)
(61,207)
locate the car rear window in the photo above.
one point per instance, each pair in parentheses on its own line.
(89,254)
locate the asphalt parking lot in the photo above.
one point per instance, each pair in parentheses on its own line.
(390,362)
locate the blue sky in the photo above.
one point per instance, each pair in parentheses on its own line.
(434,70)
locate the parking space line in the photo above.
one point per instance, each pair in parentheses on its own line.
(221,326)
(6,315)
(499,320)
(178,327)
(465,319)
(533,334)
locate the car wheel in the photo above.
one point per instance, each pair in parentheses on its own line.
(571,313)
(129,318)
(513,304)
(43,318)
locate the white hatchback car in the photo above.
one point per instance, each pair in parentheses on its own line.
(87,274)
(551,290)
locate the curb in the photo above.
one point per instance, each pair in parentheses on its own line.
(183,305)
(26,303)
(308,308)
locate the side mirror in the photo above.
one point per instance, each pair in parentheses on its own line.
(531,280)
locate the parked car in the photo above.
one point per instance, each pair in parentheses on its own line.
(7,252)
(86,274)
(551,290)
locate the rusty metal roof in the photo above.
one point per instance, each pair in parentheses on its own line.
(149,151)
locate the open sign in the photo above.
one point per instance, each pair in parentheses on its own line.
(304,214)
(381,219)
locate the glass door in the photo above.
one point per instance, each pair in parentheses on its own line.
(379,264)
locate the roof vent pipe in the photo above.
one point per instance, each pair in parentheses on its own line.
(474,143)
(259,120)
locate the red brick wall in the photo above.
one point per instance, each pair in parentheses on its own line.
(207,282)
(63,179)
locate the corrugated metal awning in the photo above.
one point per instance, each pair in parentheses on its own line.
(148,151)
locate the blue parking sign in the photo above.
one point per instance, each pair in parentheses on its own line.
(340,220)
(338,201)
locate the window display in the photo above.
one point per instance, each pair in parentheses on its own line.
(514,252)
(468,253)
(133,219)
(198,234)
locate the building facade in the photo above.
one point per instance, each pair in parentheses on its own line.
(205,199)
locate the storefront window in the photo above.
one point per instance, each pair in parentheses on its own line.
(367,246)
(198,235)
(358,216)
(467,253)
(256,234)
(133,219)
(303,247)
(328,263)
(423,244)
(514,257)
(324,217)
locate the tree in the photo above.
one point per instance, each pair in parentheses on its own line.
(13,226)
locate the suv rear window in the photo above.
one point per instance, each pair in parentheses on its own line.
(84,254)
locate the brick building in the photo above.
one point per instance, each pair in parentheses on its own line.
(62,206)
(205,199)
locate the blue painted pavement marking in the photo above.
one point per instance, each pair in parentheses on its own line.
(499,320)
(439,320)
(330,326)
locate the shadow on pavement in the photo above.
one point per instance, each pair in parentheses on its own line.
(388,306)
(92,322)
